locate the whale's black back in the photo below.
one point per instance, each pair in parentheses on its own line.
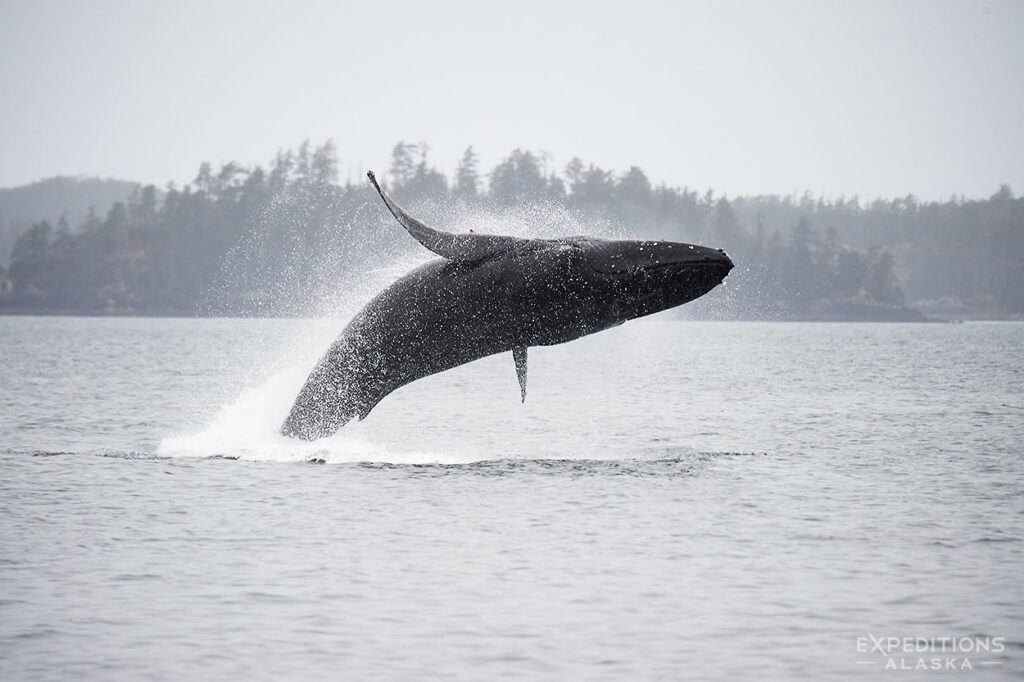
(439,316)
(491,294)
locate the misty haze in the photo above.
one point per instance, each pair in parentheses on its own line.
(661,341)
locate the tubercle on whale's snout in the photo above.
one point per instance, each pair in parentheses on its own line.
(624,257)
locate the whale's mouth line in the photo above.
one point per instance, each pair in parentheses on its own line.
(676,266)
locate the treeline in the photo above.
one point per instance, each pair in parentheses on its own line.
(255,241)
(71,199)
(961,256)
(234,241)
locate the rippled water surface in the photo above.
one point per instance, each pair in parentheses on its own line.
(675,500)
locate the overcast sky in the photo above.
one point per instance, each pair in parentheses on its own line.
(838,98)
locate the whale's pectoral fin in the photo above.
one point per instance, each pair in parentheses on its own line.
(465,248)
(519,355)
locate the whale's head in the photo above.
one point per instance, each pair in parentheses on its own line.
(650,276)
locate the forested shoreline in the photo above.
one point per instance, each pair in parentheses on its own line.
(269,241)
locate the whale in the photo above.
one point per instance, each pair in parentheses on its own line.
(490,294)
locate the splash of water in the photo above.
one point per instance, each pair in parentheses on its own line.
(249,426)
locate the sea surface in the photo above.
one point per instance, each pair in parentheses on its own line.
(674,500)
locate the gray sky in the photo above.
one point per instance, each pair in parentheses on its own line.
(861,97)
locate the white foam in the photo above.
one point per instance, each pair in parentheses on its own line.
(248,429)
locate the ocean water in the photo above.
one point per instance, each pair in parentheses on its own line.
(675,500)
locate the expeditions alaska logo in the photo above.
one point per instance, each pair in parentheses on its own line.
(929,653)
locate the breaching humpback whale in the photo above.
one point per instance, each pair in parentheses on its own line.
(492,294)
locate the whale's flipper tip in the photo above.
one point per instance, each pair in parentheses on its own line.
(519,355)
(463,247)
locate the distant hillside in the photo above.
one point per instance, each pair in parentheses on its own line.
(282,240)
(48,200)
